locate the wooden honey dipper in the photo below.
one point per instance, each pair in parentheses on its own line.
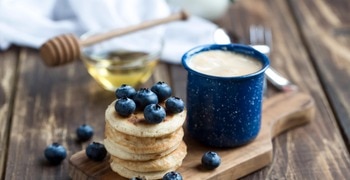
(65,48)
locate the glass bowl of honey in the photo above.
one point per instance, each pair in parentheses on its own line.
(129,59)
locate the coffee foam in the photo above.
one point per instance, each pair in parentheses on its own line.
(224,63)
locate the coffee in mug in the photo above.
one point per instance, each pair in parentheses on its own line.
(224,63)
(224,93)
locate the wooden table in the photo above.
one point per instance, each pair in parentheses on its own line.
(311,46)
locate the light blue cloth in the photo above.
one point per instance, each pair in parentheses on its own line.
(32,22)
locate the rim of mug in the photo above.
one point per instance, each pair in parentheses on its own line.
(238,48)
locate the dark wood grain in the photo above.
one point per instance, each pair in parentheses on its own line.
(50,103)
(319,145)
(330,54)
(8,69)
(236,162)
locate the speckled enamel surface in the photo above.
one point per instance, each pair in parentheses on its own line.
(224,112)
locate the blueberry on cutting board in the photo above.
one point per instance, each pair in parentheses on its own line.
(172,175)
(211,160)
(96,151)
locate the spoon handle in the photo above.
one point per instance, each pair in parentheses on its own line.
(279,81)
(182,15)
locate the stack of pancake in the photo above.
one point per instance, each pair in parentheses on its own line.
(140,149)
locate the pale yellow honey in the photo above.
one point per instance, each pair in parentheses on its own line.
(119,68)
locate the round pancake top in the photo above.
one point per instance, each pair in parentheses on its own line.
(136,124)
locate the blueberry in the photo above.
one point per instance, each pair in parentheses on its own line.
(96,151)
(125,91)
(162,90)
(125,106)
(136,178)
(174,105)
(145,97)
(55,153)
(84,132)
(172,175)
(211,160)
(154,113)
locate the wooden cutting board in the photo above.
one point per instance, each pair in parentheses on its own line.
(280,113)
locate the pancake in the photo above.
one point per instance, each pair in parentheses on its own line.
(141,149)
(162,164)
(143,145)
(136,125)
(115,150)
(127,173)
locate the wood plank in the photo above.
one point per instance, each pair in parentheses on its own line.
(317,150)
(47,111)
(236,162)
(179,79)
(161,73)
(325,26)
(50,104)
(8,74)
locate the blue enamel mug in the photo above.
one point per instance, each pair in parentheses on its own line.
(224,111)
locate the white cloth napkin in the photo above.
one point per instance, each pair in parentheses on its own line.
(32,22)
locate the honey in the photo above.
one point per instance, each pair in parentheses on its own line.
(120,67)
